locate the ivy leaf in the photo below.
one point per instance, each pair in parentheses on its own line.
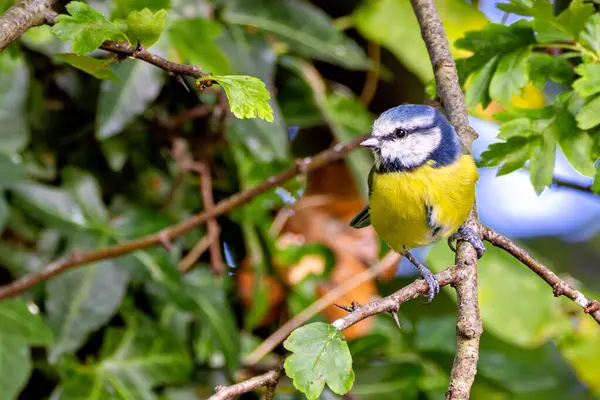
(590,35)
(544,67)
(86,27)
(321,356)
(97,68)
(247,95)
(589,83)
(512,74)
(477,91)
(146,26)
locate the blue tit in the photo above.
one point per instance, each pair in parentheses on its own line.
(421,187)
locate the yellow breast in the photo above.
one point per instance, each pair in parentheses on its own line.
(400,203)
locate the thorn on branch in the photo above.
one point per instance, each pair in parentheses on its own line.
(180,79)
(394,313)
(352,307)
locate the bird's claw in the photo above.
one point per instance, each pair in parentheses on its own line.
(434,286)
(467,234)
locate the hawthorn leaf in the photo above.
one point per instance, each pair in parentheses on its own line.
(247,95)
(589,83)
(321,356)
(146,26)
(511,76)
(589,115)
(86,27)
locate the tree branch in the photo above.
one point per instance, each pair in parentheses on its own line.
(21,16)
(559,286)
(468,325)
(268,379)
(389,304)
(78,258)
(216,261)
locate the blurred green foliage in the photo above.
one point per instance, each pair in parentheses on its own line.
(87,159)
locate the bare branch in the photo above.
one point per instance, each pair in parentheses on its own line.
(559,286)
(79,258)
(468,325)
(23,15)
(268,379)
(206,191)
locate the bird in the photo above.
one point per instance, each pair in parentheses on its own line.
(421,185)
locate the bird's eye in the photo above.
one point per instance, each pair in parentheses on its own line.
(400,133)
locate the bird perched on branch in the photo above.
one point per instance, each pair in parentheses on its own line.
(421,188)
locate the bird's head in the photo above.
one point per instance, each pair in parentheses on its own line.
(408,136)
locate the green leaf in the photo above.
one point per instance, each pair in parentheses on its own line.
(577,145)
(589,83)
(541,164)
(589,115)
(15,366)
(511,76)
(550,28)
(14,85)
(511,155)
(132,362)
(19,323)
(145,26)
(247,96)
(82,300)
(12,169)
(98,68)
(516,305)
(590,35)
(477,91)
(86,27)
(302,26)
(321,356)
(4,212)
(115,151)
(393,24)
(50,205)
(545,67)
(120,103)
(216,313)
(86,191)
(596,184)
(194,40)
(494,40)
(122,8)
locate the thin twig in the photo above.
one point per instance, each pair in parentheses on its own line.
(268,379)
(469,326)
(195,253)
(78,258)
(559,286)
(206,191)
(370,87)
(21,16)
(389,304)
(389,261)
(563,183)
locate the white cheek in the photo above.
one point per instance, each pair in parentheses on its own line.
(414,150)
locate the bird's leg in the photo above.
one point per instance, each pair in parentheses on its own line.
(467,234)
(434,286)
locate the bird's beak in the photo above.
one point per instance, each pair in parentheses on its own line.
(371,141)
